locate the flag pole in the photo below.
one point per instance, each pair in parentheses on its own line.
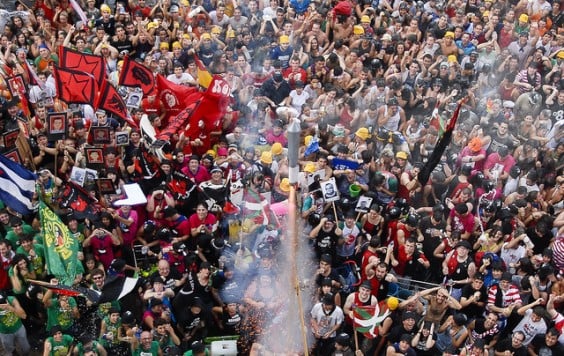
(335,212)
(355,339)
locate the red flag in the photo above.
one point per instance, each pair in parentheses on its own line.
(211,109)
(177,123)
(75,86)
(175,97)
(110,100)
(84,62)
(77,199)
(134,74)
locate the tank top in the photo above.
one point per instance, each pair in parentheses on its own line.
(372,229)
(393,122)
(357,303)
(461,270)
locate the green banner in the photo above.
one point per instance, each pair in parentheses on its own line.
(61,249)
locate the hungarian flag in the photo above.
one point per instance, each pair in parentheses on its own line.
(74,197)
(134,74)
(368,318)
(444,141)
(75,86)
(204,76)
(83,62)
(175,97)
(61,248)
(110,101)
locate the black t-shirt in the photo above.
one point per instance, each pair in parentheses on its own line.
(557,112)
(480,331)
(505,345)
(109,27)
(473,310)
(169,280)
(326,242)
(430,243)
(124,45)
(231,289)
(398,331)
(275,93)
(539,346)
(333,275)
(142,48)
(498,142)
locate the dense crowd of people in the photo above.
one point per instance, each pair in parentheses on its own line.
(470,262)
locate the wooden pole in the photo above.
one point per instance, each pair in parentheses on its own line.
(335,212)
(293,229)
(355,338)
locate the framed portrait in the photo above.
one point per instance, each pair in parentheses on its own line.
(78,175)
(14,155)
(363,204)
(105,186)
(317,176)
(100,135)
(134,100)
(10,138)
(94,155)
(16,85)
(90,176)
(56,125)
(122,138)
(330,190)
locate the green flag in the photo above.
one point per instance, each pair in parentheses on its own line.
(61,249)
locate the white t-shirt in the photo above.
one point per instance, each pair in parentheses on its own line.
(185,78)
(298,100)
(530,328)
(327,322)
(512,256)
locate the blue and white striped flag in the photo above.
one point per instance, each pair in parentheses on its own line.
(312,147)
(17,185)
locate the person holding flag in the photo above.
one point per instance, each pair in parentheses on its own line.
(62,311)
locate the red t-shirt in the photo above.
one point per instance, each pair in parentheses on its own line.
(209,220)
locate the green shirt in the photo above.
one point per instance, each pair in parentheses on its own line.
(14,239)
(9,321)
(94,346)
(111,328)
(60,348)
(57,316)
(153,351)
(37,263)
(23,283)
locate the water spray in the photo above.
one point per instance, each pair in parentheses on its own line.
(293,145)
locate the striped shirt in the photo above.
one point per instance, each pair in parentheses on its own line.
(558,250)
(511,296)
